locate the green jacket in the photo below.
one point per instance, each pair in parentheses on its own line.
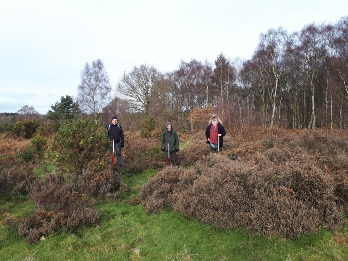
(171,138)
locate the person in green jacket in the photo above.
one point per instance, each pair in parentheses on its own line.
(170,141)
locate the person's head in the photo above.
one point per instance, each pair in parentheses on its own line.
(114,120)
(214,119)
(169,126)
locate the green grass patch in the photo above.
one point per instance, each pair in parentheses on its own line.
(47,167)
(126,232)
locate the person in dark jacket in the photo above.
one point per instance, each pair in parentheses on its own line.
(215,133)
(170,142)
(115,133)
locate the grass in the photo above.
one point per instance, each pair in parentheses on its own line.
(126,232)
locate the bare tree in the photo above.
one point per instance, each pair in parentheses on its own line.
(222,78)
(94,92)
(270,55)
(27,113)
(142,87)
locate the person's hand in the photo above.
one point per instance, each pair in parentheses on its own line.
(176,150)
(219,134)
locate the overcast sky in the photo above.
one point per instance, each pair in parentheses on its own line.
(45,44)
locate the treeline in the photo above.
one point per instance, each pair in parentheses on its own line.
(297,80)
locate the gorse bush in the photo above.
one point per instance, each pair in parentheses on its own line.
(147,126)
(26,128)
(48,128)
(39,144)
(18,129)
(35,151)
(27,154)
(81,144)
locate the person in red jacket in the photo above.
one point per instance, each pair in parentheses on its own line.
(214,134)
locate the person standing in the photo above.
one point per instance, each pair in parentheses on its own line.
(215,133)
(115,134)
(170,142)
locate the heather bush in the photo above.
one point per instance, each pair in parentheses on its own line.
(16,176)
(99,184)
(60,207)
(142,153)
(288,198)
(196,149)
(158,192)
(321,142)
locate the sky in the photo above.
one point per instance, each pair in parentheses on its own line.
(45,44)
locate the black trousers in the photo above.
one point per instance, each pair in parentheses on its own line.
(117,151)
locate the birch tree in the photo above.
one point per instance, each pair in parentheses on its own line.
(94,92)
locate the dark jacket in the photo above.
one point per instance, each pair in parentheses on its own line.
(171,138)
(221,130)
(115,132)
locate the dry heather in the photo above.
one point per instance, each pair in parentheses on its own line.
(63,203)
(283,182)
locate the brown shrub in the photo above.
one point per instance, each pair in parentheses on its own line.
(341,189)
(156,194)
(59,208)
(142,153)
(195,150)
(98,184)
(289,199)
(277,156)
(16,175)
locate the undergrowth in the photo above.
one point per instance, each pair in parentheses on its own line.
(270,195)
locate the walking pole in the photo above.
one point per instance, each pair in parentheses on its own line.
(218,143)
(168,159)
(113,154)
